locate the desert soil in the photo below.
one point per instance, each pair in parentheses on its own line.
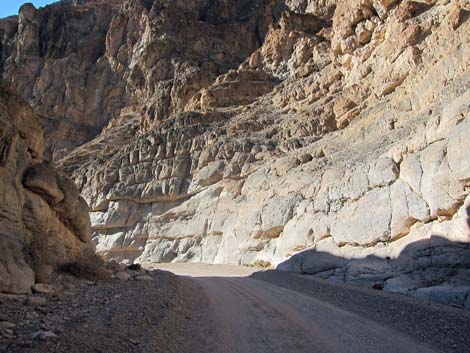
(159,315)
(227,309)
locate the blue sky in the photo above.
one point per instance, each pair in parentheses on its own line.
(10,7)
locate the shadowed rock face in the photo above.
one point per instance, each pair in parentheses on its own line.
(431,267)
(58,50)
(236,132)
(79,63)
(44,223)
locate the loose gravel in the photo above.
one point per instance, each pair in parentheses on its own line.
(444,327)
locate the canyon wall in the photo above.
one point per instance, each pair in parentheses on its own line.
(79,63)
(44,223)
(324,137)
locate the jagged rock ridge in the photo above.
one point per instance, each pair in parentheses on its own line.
(267,128)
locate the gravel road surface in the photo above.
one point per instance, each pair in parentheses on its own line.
(225,309)
(272,311)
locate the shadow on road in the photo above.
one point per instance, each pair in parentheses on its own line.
(431,262)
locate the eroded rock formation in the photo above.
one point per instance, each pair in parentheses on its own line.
(44,223)
(103,56)
(245,131)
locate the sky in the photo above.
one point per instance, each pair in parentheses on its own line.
(10,7)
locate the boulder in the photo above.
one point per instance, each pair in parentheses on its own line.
(36,236)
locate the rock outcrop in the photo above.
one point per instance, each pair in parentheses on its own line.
(44,223)
(103,56)
(325,137)
(57,49)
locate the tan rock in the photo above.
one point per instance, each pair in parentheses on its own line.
(42,288)
(343,105)
(364,31)
(328,139)
(210,174)
(30,222)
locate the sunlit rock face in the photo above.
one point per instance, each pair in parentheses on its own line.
(326,137)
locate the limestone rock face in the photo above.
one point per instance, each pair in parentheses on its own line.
(324,137)
(43,221)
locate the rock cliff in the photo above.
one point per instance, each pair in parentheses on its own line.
(325,137)
(43,222)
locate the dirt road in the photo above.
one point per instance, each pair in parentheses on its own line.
(225,309)
(273,314)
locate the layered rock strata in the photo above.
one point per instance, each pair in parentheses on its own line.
(326,137)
